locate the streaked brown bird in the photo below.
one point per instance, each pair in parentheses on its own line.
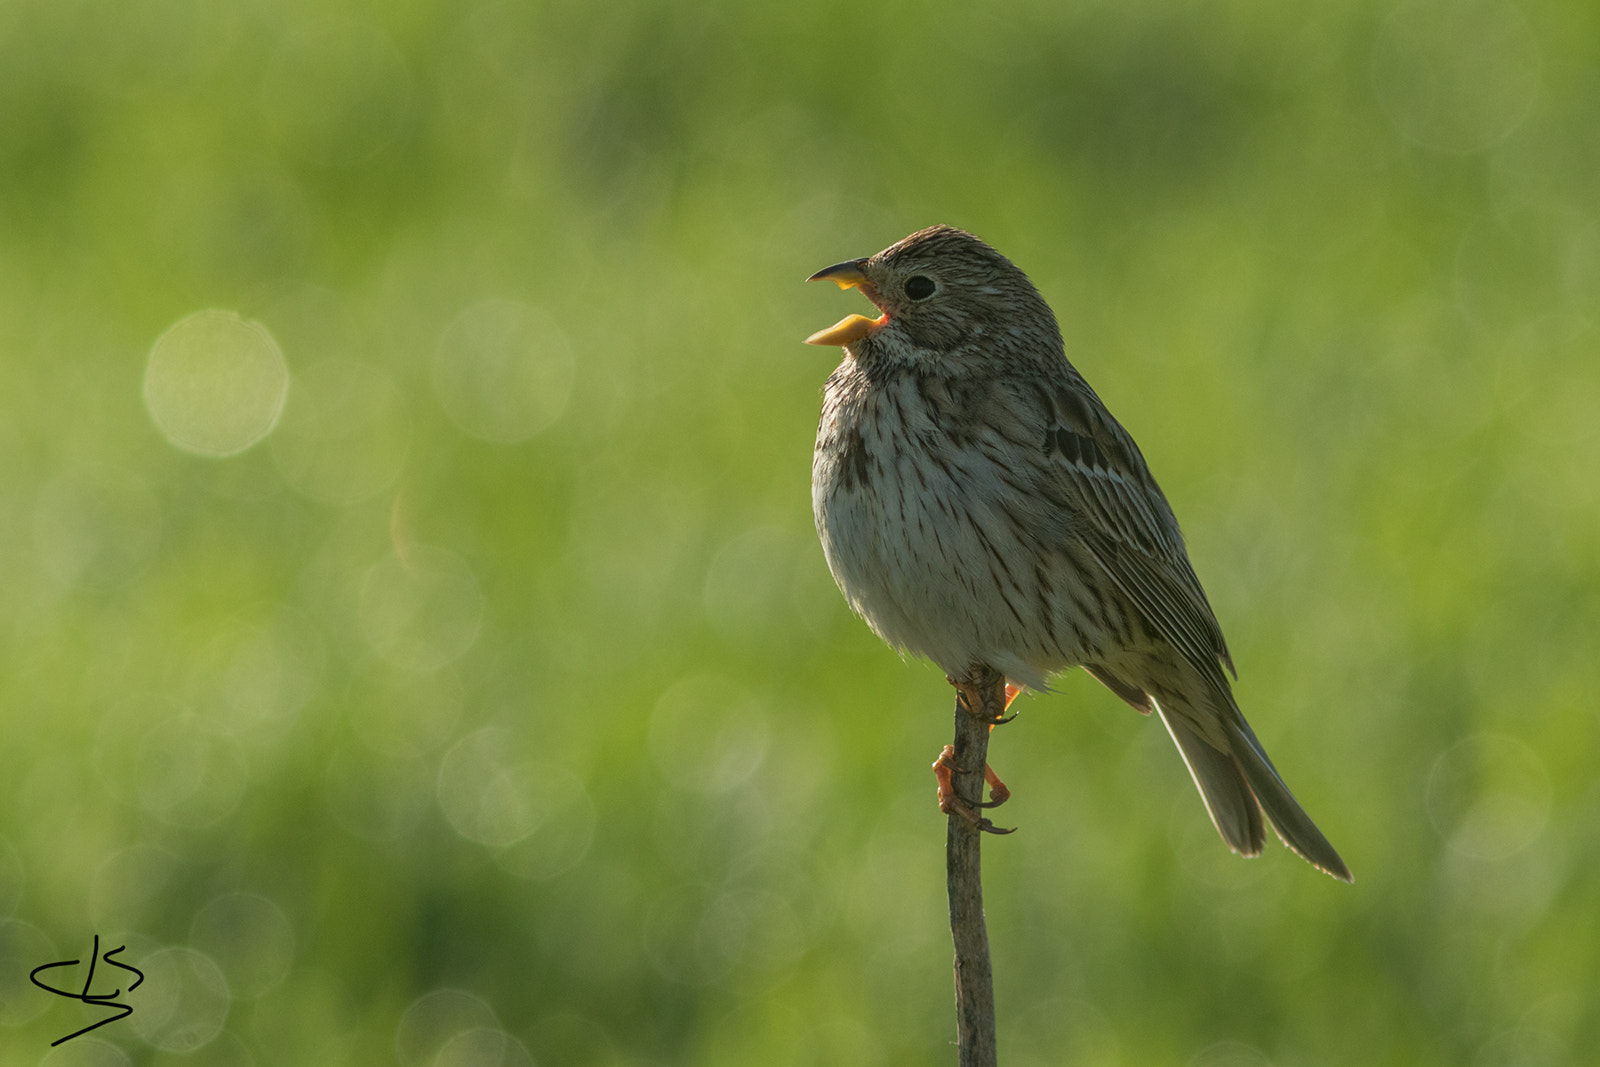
(978,505)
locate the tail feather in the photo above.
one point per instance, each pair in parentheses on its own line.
(1289,819)
(1238,786)
(1233,808)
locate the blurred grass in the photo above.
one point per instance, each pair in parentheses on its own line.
(378,717)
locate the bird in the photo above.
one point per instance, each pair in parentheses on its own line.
(979,506)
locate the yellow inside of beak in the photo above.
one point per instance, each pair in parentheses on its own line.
(847,330)
(851,328)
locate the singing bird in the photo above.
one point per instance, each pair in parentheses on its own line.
(979,506)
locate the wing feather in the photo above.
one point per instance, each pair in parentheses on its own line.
(1129,528)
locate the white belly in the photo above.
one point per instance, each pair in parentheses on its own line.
(938,553)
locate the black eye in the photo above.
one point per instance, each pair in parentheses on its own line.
(919,287)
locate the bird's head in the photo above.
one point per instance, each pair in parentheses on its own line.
(945,298)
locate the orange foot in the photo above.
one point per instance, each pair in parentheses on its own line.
(951,804)
(976,701)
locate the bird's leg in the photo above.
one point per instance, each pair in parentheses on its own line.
(998,793)
(979,696)
(950,803)
(975,695)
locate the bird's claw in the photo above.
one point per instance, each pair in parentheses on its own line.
(998,793)
(973,699)
(952,804)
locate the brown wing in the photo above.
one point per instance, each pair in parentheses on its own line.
(1129,529)
(1128,526)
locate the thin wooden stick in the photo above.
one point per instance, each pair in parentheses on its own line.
(975,1024)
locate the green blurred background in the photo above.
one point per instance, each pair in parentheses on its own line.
(415,644)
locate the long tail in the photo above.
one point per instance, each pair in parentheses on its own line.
(1238,786)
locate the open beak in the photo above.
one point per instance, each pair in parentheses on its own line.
(851,328)
(846,275)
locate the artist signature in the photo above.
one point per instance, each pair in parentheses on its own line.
(108,1000)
